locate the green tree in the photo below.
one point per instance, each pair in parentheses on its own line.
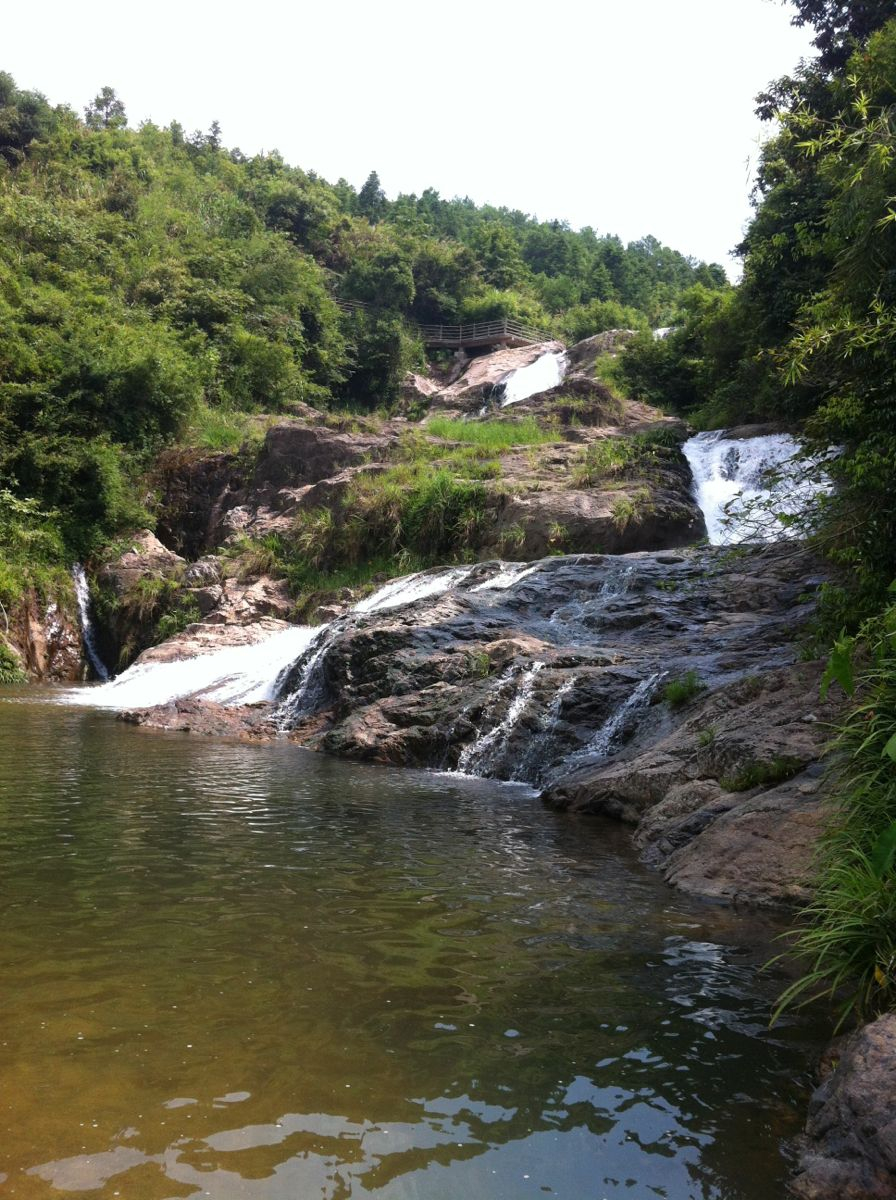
(372,199)
(105,111)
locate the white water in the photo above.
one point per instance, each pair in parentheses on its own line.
(478,757)
(511,575)
(545,373)
(248,674)
(412,587)
(82,593)
(744,485)
(234,675)
(532,768)
(609,733)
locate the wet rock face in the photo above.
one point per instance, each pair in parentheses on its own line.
(483,376)
(849,1150)
(46,637)
(555,675)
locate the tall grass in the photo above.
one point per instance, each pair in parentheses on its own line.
(847,934)
(493,436)
(387,522)
(222,429)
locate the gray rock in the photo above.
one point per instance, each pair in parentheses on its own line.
(849,1150)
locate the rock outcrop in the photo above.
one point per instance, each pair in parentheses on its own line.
(538,499)
(849,1150)
(556,673)
(483,377)
(45,638)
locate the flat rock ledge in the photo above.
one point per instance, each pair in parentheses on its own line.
(849,1149)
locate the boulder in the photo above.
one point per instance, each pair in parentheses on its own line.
(849,1149)
(583,356)
(484,374)
(144,557)
(295,454)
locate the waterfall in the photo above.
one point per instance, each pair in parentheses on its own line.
(480,756)
(744,486)
(88,637)
(606,738)
(506,578)
(532,767)
(419,586)
(305,678)
(251,673)
(545,373)
(233,675)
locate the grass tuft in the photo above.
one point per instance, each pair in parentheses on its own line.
(678,692)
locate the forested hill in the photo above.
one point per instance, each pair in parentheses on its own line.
(147,276)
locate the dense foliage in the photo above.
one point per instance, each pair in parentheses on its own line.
(849,932)
(156,286)
(808,337)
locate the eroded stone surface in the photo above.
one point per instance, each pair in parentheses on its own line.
(849,1150)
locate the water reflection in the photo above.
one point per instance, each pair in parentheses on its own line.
(239,971)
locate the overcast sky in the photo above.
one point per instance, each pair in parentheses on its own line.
(632,117)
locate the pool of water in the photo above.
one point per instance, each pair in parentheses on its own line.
(239,971)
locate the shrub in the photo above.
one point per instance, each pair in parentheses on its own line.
(10,669)
(177,621)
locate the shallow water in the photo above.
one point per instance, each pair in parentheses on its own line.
(251,972)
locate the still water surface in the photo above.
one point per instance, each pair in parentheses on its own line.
(253,973)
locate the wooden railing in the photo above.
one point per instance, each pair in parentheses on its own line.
(480,333)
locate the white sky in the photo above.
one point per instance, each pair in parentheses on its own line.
(633,117)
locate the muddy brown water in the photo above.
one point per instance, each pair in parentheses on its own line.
(254,973)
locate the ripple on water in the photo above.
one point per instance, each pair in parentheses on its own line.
(252,972)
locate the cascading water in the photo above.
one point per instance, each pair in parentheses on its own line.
(234,675)
(88,636)
(545,373)
(252,673)
(479,757)
(305,679)
(533,766)
(603,742)
(419,586)
(745,485)
(506,578)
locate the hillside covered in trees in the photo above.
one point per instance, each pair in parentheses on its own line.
(154,286)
